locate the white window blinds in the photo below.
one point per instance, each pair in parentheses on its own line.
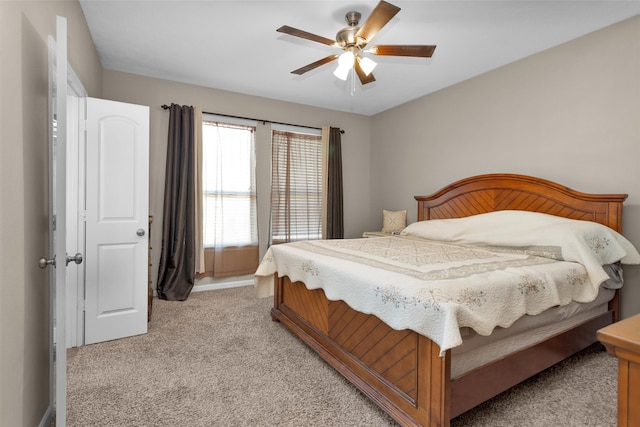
(229,184)
(296,187)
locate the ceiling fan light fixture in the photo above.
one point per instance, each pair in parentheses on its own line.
(367,65)
(345,63)
(346,59)
(342,72)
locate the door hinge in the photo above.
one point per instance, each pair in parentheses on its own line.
(83,126)
(81,306)
(83,215)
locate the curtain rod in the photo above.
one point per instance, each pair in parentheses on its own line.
(166,107)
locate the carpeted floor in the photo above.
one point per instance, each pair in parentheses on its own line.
(218,359)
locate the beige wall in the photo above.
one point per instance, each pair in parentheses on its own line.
(153,92)
(24,306)
(570,114)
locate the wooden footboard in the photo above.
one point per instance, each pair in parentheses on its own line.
(401,371)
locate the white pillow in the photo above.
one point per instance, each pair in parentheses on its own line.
(393,221)
(589,243)
(523,228)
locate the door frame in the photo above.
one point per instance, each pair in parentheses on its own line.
(76,137)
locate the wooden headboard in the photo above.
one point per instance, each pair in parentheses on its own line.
(495,192)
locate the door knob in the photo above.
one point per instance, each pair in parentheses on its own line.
(77,258)
(44,262)
(140,232)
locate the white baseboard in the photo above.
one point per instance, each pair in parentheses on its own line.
(224,285)
(216,286)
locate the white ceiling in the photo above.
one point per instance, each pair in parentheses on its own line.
(234,46)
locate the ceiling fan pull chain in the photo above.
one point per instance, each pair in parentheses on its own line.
(353,81)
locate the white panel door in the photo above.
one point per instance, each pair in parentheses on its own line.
(117,198)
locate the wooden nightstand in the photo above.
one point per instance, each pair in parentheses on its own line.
(380,234)
(622,339)
(375,234)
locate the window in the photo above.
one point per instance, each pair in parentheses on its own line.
(296,187)
(229,188)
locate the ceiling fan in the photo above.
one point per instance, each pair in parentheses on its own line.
(353,40)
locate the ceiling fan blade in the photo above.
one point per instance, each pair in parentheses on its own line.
(424,51)
(379,17)
(305,35)
(364,79)
(313,65)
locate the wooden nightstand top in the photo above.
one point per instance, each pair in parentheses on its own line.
(624,334)
(622,339)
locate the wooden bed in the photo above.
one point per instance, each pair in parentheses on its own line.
(403,373)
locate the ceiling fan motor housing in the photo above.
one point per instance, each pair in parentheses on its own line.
(352,18)
(346,37)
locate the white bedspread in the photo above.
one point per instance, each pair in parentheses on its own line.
(436,287)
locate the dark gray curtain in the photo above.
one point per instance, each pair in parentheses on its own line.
(176,272)
(335,214)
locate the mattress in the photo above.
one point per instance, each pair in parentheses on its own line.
(478,350)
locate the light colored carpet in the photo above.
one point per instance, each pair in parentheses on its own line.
(218,359)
